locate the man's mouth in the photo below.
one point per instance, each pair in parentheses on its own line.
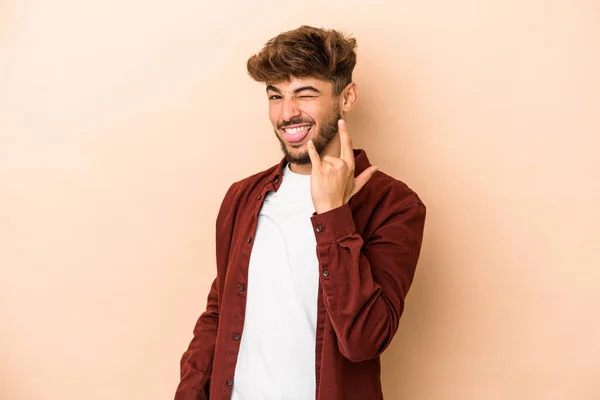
(295,133)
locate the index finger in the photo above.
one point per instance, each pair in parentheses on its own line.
(315,159)
(347,154)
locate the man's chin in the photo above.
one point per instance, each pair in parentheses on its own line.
(298,157)
(302,161)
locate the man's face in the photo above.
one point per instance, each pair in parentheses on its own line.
(303,109)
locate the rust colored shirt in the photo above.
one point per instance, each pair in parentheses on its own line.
(367,251)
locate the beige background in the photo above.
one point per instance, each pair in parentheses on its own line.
(122,123)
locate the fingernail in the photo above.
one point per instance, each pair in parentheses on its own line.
(342,122)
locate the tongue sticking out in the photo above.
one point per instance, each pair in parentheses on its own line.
(295,135)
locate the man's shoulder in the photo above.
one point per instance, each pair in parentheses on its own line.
(248,184)
(389,188)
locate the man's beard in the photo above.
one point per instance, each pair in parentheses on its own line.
(326,133)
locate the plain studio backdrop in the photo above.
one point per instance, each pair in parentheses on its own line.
(123,123)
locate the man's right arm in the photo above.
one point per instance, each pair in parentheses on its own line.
(196,363)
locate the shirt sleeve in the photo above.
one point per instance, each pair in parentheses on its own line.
(365,284)
(197,361)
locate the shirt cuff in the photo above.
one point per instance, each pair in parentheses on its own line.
(333,225)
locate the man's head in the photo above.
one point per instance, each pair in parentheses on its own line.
(308,73)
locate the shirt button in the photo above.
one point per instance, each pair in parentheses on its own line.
(229,382)
(325,273)
(259,196)
(249,239)
(236,337)
(319,228)
(241,288)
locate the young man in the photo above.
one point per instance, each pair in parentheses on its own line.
(314,256)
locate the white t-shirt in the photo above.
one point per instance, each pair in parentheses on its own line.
(276,360)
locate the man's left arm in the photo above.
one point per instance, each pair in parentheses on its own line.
(365,284)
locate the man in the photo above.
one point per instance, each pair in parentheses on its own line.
(315,255)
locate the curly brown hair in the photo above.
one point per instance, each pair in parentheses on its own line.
(306,52)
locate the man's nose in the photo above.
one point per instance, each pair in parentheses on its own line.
(289,109)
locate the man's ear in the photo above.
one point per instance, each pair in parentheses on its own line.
(349,97)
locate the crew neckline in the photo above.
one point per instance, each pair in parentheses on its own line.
(288,171)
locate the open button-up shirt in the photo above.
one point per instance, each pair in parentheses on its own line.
(367,251)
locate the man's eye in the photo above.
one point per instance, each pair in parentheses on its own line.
(274,97)
(307,97)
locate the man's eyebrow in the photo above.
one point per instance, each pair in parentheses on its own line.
(309,88)
(296,91)
(273,89)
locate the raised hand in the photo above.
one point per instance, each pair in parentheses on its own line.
(332,181)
